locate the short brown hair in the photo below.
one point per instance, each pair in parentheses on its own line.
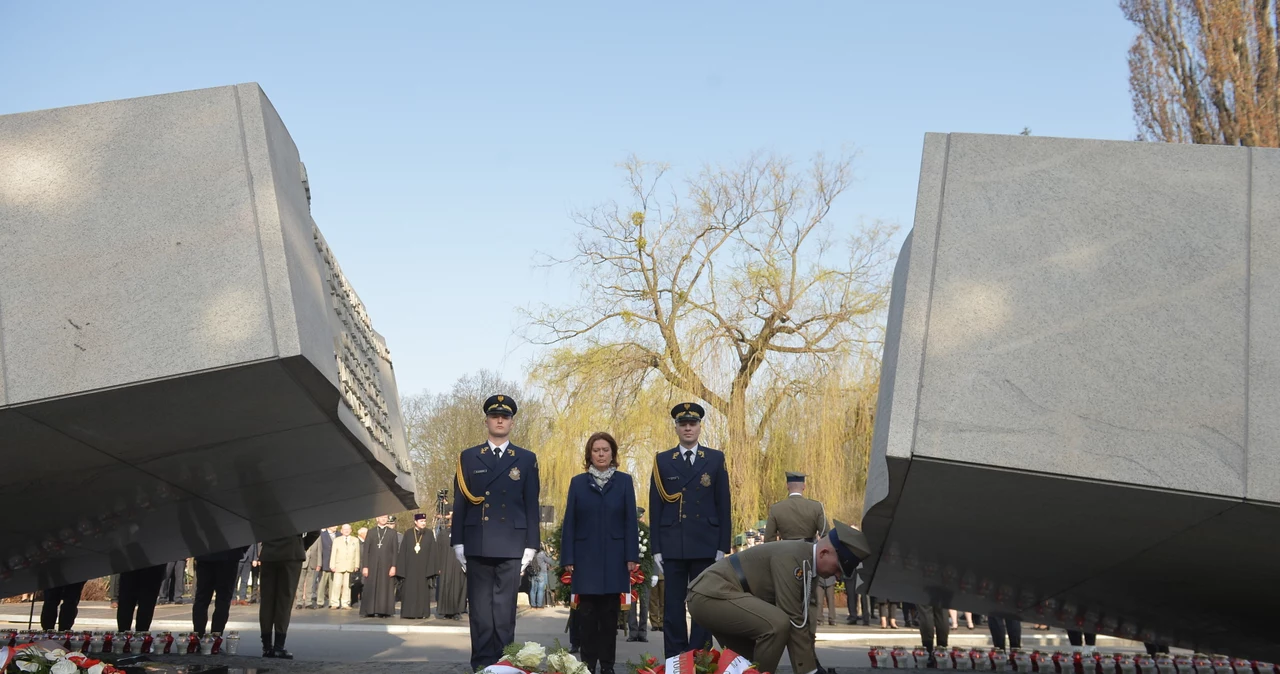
(600,435)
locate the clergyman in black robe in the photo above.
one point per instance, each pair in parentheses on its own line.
(418,562)
(380,547)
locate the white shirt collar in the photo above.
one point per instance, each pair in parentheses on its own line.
(794,493)
(686,450)
(498,448)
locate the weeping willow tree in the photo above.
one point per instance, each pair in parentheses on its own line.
(824,430)
(727,286)
(826,434)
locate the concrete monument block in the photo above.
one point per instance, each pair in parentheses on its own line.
(1079,353)
(183,365)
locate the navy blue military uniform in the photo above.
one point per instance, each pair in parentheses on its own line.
(690,520)
(495,519)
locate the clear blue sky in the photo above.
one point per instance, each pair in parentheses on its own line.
(446,142)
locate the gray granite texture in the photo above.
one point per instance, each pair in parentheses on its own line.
(1104,316)
(174,326)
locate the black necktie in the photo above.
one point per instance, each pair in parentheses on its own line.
(688,456)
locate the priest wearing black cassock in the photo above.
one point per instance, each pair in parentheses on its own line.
(380,550)
(418,562)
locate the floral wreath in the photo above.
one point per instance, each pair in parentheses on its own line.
(40,660)
(527,658)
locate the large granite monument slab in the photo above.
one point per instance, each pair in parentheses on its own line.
(1079,416)
(183,366)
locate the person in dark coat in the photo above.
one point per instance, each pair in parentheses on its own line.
(600,546)
(215,575)
(61,604)
(689,522)
(139,590)
(281,563)
(495,530)
(247,583)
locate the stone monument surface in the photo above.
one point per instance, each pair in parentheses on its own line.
(183,366)
(1079,416)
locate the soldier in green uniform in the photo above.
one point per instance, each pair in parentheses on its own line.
(796,517)
(757,602)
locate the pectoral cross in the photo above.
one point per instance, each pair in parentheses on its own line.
(379,545)
(417,547)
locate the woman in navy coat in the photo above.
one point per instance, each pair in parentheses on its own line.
(600,545)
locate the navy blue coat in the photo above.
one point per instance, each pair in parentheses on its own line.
(600,534)
(495,500)
(689,506)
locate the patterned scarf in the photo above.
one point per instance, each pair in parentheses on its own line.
(601,476)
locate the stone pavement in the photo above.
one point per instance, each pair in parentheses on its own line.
(331,641)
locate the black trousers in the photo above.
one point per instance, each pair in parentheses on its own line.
(933,619)
(171,587)
(69,597)
(676,638)
(492,585)
(213,578)
(139,590)
(1074,636)
(279,583)
(862,600)
(598,629)
(1000,627)
(638,614)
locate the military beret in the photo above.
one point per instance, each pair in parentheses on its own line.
(795,477)
(688,412)
(500,404)
(851,547)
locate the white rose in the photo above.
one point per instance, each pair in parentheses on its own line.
(530,655)
(64,667)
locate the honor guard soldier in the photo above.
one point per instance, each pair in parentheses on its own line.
(796,518)
(689,520)
(495,529)
(758,602)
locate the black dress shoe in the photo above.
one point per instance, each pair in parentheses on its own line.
(573,649)
(633,638)
(644,639)
(282,654)
(268,652)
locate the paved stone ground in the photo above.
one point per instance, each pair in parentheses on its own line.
(327,641)
(246,665)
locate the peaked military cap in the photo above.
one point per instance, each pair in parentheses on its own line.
(851,547)
(500,404)
(795,477)
(688,412)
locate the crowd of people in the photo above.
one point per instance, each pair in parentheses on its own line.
(483,545)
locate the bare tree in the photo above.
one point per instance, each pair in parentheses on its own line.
(717,285)
(1205,71)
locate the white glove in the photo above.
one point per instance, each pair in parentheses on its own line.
(657,559)
(528,557)
(462,558)
(719,555)
(653,582)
